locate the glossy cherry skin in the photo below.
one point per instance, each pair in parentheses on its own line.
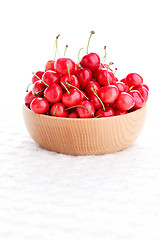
(84,76)
(108,94)
(109,112)
(95,101)
(61,66)
(73,115)
(91,61)
(58,110)
(38,86)
(51,77)
(101,77)
(119,112)
(139,100)
(82,96)
(143,91)
(28,98)
(53,93)
(121,86)
(83,112)
(125,101)
(73,81)
(134,79)
(92,85)
(72,99)
(50,65)
(39,105)
(39,74)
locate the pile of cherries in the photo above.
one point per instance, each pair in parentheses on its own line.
(87,89)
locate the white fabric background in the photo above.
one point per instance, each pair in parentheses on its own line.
(45,195)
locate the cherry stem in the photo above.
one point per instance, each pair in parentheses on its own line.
(91,33)
(105,54)
(82,107)
(70,85)
(28,86)
(79,57)
(56,46)
(36,93)
(55,111)
(130,89)
(111,63)
(65,87)
(98,116)
(65,50)
(94,92)
(40,79)
(69,73)
(115,70)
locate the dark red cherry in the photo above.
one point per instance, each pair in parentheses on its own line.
(28,98)
(61,66)
(101,77)
(134,79)
(108,94)
(53,93)
(139,100)
(119,112)
(50,65)
(58,110)
(125,101)
(91,61)
(39,105)
(71,99)
(92,85)
(51,77)
(85,109)
(109,112)
(84,76)
(38,88)
(39,74)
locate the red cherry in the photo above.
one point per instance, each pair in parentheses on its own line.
(91,61)
(73,115)
(84,76)
(85,109)
(125,101)
(51,77)
(39,74)
(71,99)
(143,91)
(119,112)
(139,100)
(82,95)
(38,88)
(62,68)
(28,98)
(50,65)
(95,101)
(101,77)
(73,80)
(134,79)
(58,110)
(108,94)
(109,112)
(39,105)
(53,93)
(146,86)
(121,86)
(92,85)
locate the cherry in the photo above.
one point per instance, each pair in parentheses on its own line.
(134,79)
(58,110)
(84,76)
(72,98)
(125,101)
(38,88)
(139,100)
(92,85)
(109,112)
(85,109)
(83,95)
(72,79)
(50,65)
(95,101)
(51,77)
(91,61)
(108,94)
(73,115)
(143,91)
(120,112)
(28,98)
(39,74)
(121,86)
(39,105)
(62,68)
(102,79)
(53,93)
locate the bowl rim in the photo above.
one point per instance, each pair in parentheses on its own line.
(83,119)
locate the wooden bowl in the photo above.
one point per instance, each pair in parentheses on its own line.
(75,136)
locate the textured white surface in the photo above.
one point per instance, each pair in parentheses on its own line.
(46,196)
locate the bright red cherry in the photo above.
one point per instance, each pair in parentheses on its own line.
(125,101)
(53,93)
(109,112)
(73,80)
(134,79)
(143,91)
(108,94)
(39,74)
(119,112)
(73,115)
(61,66)
(85,109)
(101,77)
(84,76)
(95,101)
(139,100)
(50,65)
(58,110)
(121,86)
(39,105)
(92,85)
(51,77)
(28,98)
(38,88)
(91,61)
(71,99)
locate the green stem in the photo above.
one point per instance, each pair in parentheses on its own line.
(79,56)
(98,116)
(65,50)
(82,107)
(28,86)
(107,71)
(130,89)
(70,85)
(55,111)
(40,79)
(36,93)
(115,71)
(56,46)
(105,54)
(65,87)
(69,73)
(98,99)
(91,33)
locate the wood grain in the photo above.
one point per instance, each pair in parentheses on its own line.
(84,136)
